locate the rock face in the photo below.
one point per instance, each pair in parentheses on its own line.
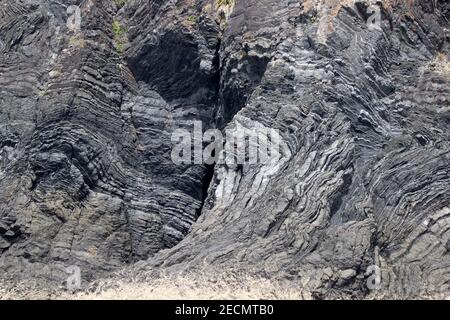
(358,92)
(86,175)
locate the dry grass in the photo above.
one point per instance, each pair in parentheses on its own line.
(186,286)
(189,287)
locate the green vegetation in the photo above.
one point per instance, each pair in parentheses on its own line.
(119,36)
(120,3)
(120,47)
(117,28)
(223,3)
(192,19)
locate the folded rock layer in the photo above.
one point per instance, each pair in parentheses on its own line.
(358,91)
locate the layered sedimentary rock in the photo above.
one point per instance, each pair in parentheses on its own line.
(360,101)
(86,176)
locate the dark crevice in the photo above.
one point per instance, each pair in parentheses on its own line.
(235,95)
(209,169)
(229,100)
(218,74)
(206,182)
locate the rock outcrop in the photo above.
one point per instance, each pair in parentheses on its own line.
(358,91)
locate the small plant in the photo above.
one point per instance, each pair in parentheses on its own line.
(119,36)
(42,93)
(120,47)
(117,28)
(225,3)
(192,19)
(120,3)
(224,8)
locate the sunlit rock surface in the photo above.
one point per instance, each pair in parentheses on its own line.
(362,184)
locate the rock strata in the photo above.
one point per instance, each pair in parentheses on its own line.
(358,91)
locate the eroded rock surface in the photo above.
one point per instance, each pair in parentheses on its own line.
(363,182)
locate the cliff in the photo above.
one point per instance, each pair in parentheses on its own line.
(358,91)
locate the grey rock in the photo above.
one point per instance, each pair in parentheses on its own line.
(86,119)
